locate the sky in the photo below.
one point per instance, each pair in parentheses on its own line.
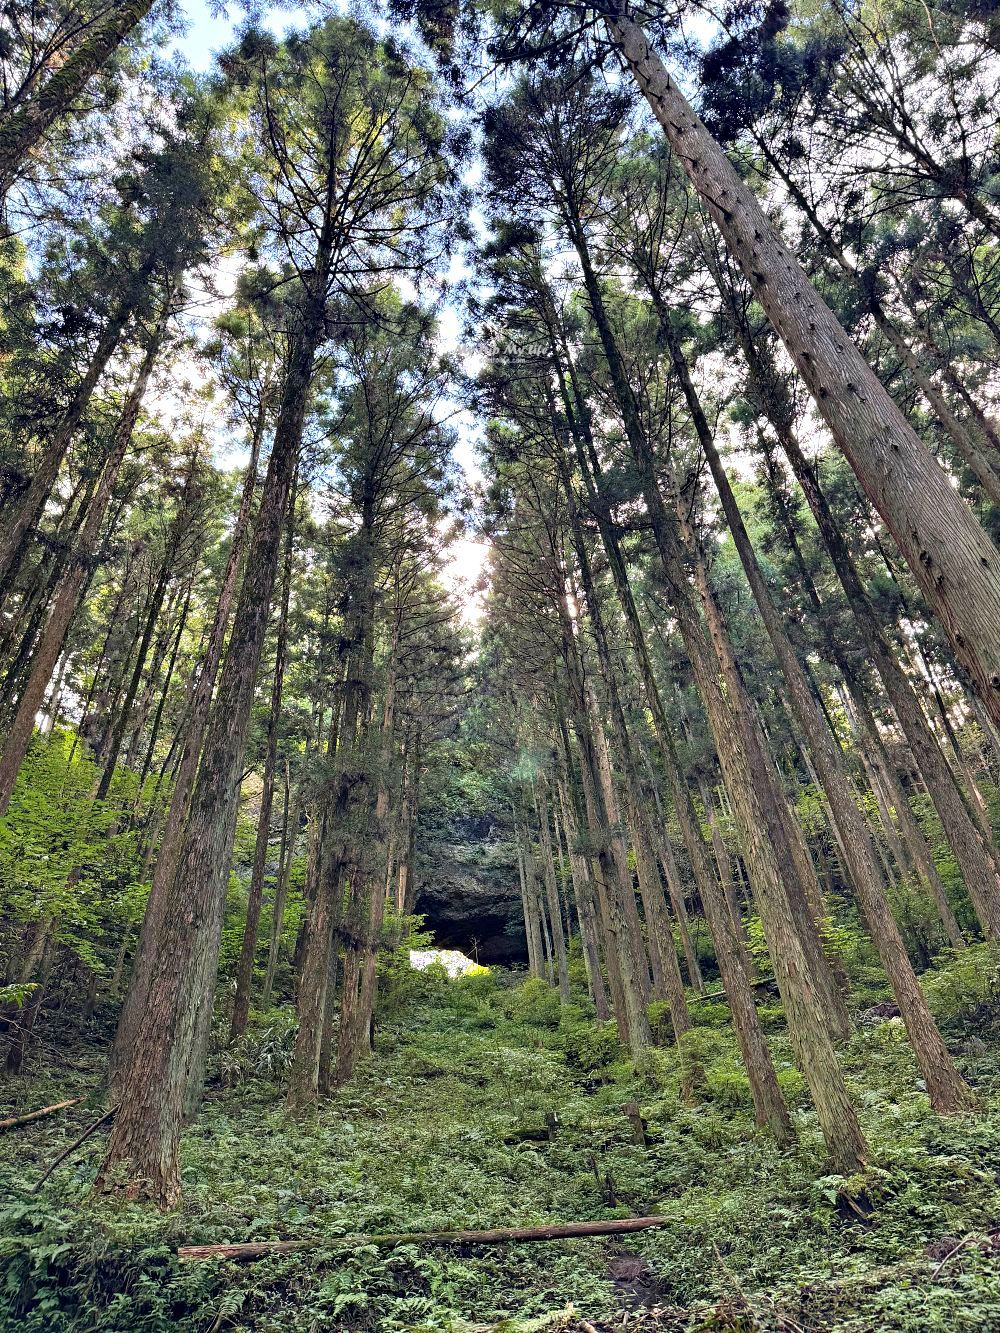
(209,31)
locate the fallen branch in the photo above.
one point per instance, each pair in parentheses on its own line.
(554,1231)
(73,1147)
(16,1120)
(721,994)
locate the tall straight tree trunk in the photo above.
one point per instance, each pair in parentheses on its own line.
(578,417)
(627,967)
(952,559)
(159,1065)
(293,814)
(551,890)
(977,860)
(36,599)
(580,874)
(406,884)
(375,883)
(664,853)
(795,955)
(801,886)
(668,984)
(164,691)
(529,908)
(534,879)
(603,869)
(200,695)
(346,822)
(662,953)
(864,722)
(769,1105)
(946,1088)
(16,527)
(619,848)
(70,589)
(255,896)
(117,733)
(713,662)
(22,131)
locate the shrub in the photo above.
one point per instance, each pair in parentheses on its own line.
(536,1003)
(263,1051)
(728,1086)
(589,1047)
(696,1050)
(965,984)
(660,1023)
(710,1014)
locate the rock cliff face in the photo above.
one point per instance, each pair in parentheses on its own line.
(469,891)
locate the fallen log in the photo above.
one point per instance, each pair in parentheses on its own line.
(553,1231)
(16,1120)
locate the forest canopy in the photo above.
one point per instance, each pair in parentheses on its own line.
(524,479)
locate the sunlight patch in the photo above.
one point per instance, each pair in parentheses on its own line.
(454,962)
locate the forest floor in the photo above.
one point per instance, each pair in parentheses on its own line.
(445,1129)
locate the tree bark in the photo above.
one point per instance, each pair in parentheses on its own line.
(160,1064)
(22,131)
(952,559)
(255,896)
(200,693)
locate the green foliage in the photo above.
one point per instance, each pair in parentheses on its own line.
(536,1003)
(447,1128)
(589,1047)
(263,1051)
(964,985)
(60,856)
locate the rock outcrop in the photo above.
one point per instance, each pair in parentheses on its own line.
(469,892)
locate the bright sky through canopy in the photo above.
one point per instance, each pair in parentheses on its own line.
(210,31)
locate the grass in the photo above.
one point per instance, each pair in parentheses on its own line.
(431,1136)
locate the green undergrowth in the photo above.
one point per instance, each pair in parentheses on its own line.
(446,1129)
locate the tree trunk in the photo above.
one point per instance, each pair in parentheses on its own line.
(946,1088)
(769,1105)
(67,599)
(912,836)
(376,870)
(551,890)
(627,974)
(200,702)
(529,907)
(293,814)
(580,874)
(16,529)
(663,951)
(795,954)
(255,897)
(976,860)
(156,1070)
(347,823)
(953,561)
(23,130)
